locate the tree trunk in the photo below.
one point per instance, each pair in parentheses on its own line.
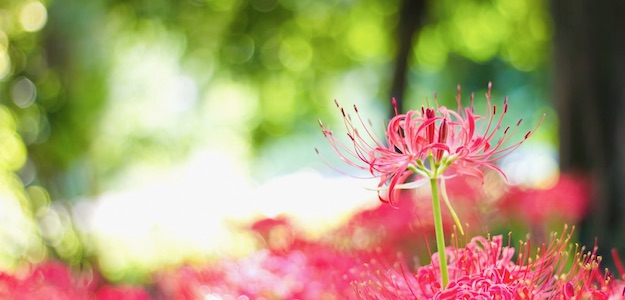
(589,92)
(411,15)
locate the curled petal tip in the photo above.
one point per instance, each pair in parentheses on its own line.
(394,102)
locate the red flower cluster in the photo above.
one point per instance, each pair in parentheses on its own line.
(485,269)
(54,280)
(288,267)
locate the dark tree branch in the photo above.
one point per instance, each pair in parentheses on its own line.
(411,15)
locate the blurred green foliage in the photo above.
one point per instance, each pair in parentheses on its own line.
(91,89)
(285,59)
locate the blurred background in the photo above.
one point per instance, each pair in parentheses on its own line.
(137,135)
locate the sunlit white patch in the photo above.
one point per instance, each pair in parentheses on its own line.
(181,213)
(533,165)
(33,16)
(314,201)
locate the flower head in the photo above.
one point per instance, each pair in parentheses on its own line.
(487,269)
(427,143)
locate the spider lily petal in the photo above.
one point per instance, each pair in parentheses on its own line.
(428,143)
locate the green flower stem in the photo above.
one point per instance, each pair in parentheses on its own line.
(440,235)
(451,209)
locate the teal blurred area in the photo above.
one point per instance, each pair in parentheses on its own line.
(138,135)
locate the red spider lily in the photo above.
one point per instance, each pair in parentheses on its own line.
(485,269)
(428,143)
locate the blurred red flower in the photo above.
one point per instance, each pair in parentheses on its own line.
(288,266)
(55,281)
(565,201)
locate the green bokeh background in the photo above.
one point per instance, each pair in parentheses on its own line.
(92,90)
